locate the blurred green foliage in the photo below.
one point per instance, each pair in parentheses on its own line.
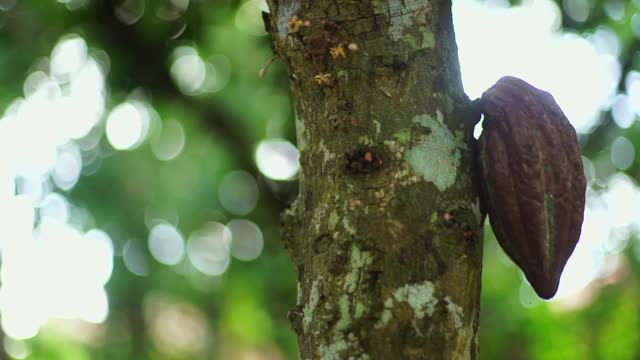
(244,311)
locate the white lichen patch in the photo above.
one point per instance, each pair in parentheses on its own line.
(310,306)
(455,311)
(339,345)
(378,126)
(418,296)
(384,319)
(437,157)
(301,135)
(344,305)
(347,226)
(333,350)
(327,155)
(319,214)
(359,260)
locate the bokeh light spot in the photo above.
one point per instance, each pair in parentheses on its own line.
(577,10)
(238,192)
(622,153)
(188,70)
(54,206)
(17,349)
(127,126)
(166,244)
(168,143)
(130,11)
(249,17)
(209,248)
(135,258)
(68,57)
(218,73)
(277,159)
(68,167)
(176,327)
(621,111)
(632,87)
(246,239)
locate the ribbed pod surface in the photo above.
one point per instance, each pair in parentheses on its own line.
(532,180)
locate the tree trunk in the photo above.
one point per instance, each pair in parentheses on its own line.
(386,233)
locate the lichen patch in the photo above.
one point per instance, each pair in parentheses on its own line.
(455,311)
(418,296)
(347,226)
(359,260)
(301,135)
(344,304)
(333,219)
(435,157)
(310,306)
(332,351)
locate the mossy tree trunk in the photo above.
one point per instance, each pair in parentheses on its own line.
(386,234)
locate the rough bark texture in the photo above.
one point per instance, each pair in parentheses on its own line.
(386,234)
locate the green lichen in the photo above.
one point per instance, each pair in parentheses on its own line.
(300,134)
(364,140)
(344,304)
(437,157)
(411,41)
(359,310)
(403,136)
(333,220)
(434,218)
(460,139)
(426,41)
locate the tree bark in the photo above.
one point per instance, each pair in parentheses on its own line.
(386,234)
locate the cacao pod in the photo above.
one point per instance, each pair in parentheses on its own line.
(532,180)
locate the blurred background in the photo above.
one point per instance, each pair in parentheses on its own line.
(144,163)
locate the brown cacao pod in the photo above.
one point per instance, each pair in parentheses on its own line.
(532,180)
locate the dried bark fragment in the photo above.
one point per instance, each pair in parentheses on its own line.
(532,180)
